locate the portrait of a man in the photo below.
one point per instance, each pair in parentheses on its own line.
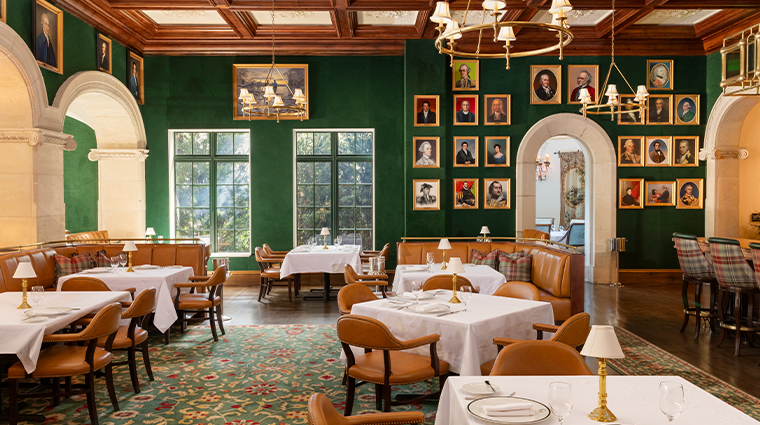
(658,152)
(497,109)
(581,77)
(660,74)
(631,115)
(629,193)
(630,151)
(660,194)
(686,150)
(465,191)
(545,84)
(465,75)
(466,149)
(48,31)
(135,77)
(687,109)
(465,110)
(426,152)
(497,151)
(426,108)
(104,53)
(689,194)
(659,110)
(426,195)
(496,194)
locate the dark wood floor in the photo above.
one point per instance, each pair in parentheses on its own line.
(651,311)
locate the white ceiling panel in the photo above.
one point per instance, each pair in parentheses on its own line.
(292,18)
(387,17)
(676,17)
(576,18)
(185,17)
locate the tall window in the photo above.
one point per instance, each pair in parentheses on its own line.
(335,185)
(212,188)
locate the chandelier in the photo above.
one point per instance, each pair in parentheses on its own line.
(543,169)
(740,63)
(502,31)
(612,107)
(270,104)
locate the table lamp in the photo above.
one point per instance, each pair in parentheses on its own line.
(455,266)
(484,230)
(24,271)
(602,344)
(129,248)
(325,232)
(149,233)
(444,245)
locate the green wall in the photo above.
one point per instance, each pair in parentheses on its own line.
(80,179)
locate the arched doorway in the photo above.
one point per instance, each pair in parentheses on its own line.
(600,177)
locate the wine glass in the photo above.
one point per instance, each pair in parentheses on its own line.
(465,295)
(38,292)
(417,290)
(671,399)
(123,259)
(114,263)
(561,399)
(338,241)
(430,260)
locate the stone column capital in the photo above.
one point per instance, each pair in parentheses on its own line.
(38,137)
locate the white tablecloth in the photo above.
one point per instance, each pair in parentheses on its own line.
(484,277)
(557,235)
(163,279)
(633,399)
(24,339)
(466,337)
(320,260)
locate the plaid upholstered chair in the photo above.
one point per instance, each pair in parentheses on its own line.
(735,277)
(696,269)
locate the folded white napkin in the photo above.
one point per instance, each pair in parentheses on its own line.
(509,409)
(428,307)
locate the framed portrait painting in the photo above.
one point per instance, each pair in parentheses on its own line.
(660,194)
(497,151)
(48,36)
(687,109)
(630,151)
(581,77)
(685,151)
(465,194)
(690,194)
(103,53)
(630,114)
(498,109)
(426,195)
(496,194)
(658,152)
(426,111)
(465,75)
(629,194)
(659,109)
(253,78)
(546,81)
(136,76)
(427,152)
(660,73)
(466,151)
(465,109)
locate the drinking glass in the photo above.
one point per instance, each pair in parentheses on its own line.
(338,241)
(671,399)
(160,239)
(430,260)
(123,259)
(38,292)
(561,228)
(114,263)
(561,399)
(417,290)
(465,295)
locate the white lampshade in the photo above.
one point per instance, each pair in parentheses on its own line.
(611,90)
(269,92)
(563,6)
(506,33)
(150,232)
(444,244)
(278,101)
(602,343)
(129,246)
(24,271)
(494,5)
(455,266)
(442,14)
(452,30)
(585,96)
(325,231)
(642,92)
(485,230)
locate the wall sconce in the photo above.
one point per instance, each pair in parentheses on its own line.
(543,169)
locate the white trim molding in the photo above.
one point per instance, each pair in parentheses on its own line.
(136,154)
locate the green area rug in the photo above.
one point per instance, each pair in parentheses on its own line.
(265,374)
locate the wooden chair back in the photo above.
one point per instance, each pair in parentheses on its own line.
(82,283)
(445,281)
(546,358)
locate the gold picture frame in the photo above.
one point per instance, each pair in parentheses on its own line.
(462,117)
(469,157)
(465,197)
(104,58)
(688,157)
(433,118)
(634,202)
(503,202)
(654,115)
(489,149)
(662,157)
(251,77)
(3,11)
(628,102)
(419,201)
(136,76)
(489,104)
(48,35)
(690,201)
(573,77)
(690,100)
(664,198)
(660,74)
(468,81)
(554,75)
(631,157)
(421,158)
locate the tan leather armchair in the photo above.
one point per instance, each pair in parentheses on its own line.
(389,365)
(382,253)
(535,234)
(521,290)
(379,280)
(322,412)
(211,303)
(546,358)
(84,283)
(353,294)
(66,361)
(445,281)
(270,275)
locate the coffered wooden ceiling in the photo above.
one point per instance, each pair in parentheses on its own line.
(379,27)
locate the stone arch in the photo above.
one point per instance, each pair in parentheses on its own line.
(24,97)
(600,174)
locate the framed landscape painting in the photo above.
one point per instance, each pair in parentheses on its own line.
(253,78)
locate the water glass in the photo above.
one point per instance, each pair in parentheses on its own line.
(465,295)
(38,292)
(430,260)
(561,399)
(123,259)
(160,238)
(671,399)
(338,241)
(417,289)
(114,263)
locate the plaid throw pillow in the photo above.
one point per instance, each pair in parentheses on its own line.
(488,260)
(100,259)
(515,267)
(66,266)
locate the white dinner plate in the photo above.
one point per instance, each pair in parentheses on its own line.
(423,296)
(416,268)
(479,388)
(48,311)
(540,410)
(146,267)
(96,270)
(440,309)
(176,267)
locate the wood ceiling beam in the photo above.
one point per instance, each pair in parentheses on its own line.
(714,41)
(344,22)
(422,23)
(233,19)
(720,20)
(107,21)
(624,18)
(161,5)
(314,47)
(379,5)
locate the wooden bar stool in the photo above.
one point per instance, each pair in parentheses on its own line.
(696,269)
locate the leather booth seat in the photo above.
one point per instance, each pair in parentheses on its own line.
(556,274)
(88,236)
(191,255)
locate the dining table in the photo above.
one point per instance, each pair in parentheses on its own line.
(485,278)
(329,259)
(632,399)
(467,332)
(144,277)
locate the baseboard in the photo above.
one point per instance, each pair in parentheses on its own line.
(634,276)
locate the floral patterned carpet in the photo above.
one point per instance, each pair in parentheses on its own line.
(265,374)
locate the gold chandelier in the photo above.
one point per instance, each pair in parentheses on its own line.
(502,31)
(613,107)
(740,63)
(269,104)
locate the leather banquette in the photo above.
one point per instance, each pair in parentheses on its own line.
(88,236)
(557,274)
(191,255)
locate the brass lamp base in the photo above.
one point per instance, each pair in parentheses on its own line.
(24,305)
(454,299)
(443,264)
(602,414)
(130,270)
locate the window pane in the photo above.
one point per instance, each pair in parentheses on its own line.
(322,218)
(183,173)
(346,172)
(305,218)
(242,173)
(364,196)
(364,143)
(364,172)
(225,241)
(243,241)
(322,196)
(346,218)
(184,219)
(224,144)
(185,235)
(305,172)
(241,196)
(200,196)
(225,218)
(242,143)
(183,144)
(322,172)
(366,239)
(200,143)
(303,236)
(224,196)
(304,143)
(200,173)
(184,196)
(346,144)
(201,219)
(364,218)
(346,196)
(305,196)
(242,218)
(322,144)
(224,172)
